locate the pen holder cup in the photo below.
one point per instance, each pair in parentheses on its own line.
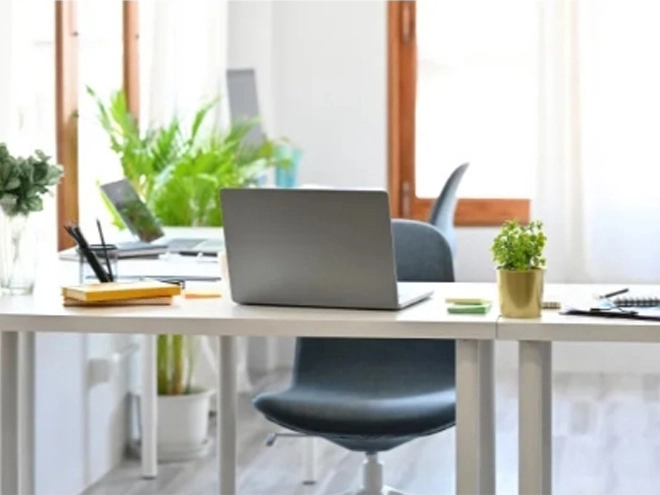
(86,273)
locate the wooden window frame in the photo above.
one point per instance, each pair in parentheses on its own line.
(402,74)
(66,115)
(66,99)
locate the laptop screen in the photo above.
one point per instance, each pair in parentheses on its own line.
(244,103)
(132,210)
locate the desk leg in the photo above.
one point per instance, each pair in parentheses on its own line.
(149,408)
(475,442)
(227,404)
(535,418)
(26,413)
(487,420)
(9,397)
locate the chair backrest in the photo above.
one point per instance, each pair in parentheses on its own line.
(384,365)
(442,214)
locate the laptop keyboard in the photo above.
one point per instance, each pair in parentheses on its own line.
(177,244)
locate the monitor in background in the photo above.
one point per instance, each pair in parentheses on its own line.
(244,103)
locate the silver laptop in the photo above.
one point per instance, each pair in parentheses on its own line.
(142,224)
(309,247)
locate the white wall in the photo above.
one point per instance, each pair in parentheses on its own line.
(81,430)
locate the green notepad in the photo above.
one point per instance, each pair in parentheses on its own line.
(472,309)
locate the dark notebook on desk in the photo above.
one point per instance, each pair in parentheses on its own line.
(626,313)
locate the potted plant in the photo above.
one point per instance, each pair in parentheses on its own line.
(23,183)
(183,407)
(179,170)
(518,252)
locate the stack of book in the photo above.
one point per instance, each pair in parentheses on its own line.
(142,293)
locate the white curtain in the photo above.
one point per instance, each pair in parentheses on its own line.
(27,98)
(598,172)
(183,55)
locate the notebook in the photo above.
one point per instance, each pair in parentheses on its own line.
(639,301)
(146,301)
(118,291)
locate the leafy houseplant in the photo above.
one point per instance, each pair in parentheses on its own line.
(518,253)
(178,169)
(23,183)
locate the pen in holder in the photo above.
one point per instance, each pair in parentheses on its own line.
(85,271)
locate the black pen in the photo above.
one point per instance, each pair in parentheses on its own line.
(105,251)
(615,293)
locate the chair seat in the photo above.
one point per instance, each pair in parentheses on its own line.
(337,413)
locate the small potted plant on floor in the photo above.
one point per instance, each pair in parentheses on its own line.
(518,253)
(183,408)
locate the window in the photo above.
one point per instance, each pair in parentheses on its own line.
(463,85)
(100,68)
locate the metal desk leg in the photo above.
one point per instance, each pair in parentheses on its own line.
(535,417)
(475,462)
(227,403)
(9,454)
(149,408)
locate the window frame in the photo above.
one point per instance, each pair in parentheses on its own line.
(402,79)
(66,99)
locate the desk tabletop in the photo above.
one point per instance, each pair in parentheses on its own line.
(43,311)
(553,326)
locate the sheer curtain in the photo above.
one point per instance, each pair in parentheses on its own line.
(27,98)
(599,158)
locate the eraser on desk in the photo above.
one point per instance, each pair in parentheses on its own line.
(472,309)
(201,293)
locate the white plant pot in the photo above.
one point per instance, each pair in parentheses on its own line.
(183,425)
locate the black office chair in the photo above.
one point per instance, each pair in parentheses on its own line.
(371,395)
(442,213)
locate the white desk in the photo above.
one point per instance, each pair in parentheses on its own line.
(535,369)
(20,316)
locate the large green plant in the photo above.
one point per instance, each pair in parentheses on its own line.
(179,169)
(25,180)
(519,247)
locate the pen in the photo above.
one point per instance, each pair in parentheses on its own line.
(105,251)
(75,232)
(615,293)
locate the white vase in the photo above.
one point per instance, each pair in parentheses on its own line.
(18,253)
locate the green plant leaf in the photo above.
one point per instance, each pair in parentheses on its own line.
(519,247)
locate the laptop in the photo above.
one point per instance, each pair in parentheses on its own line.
(141,223)
(313,247)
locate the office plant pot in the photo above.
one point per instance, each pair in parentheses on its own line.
(520,293)
(18,252)
(183,426)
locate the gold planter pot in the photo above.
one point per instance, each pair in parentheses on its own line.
(521,293)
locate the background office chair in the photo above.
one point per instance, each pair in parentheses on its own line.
(442,213)
(371,395)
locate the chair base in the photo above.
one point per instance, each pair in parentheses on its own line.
(373,479)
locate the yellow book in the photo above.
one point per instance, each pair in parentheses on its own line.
(118,291)
(148,301)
